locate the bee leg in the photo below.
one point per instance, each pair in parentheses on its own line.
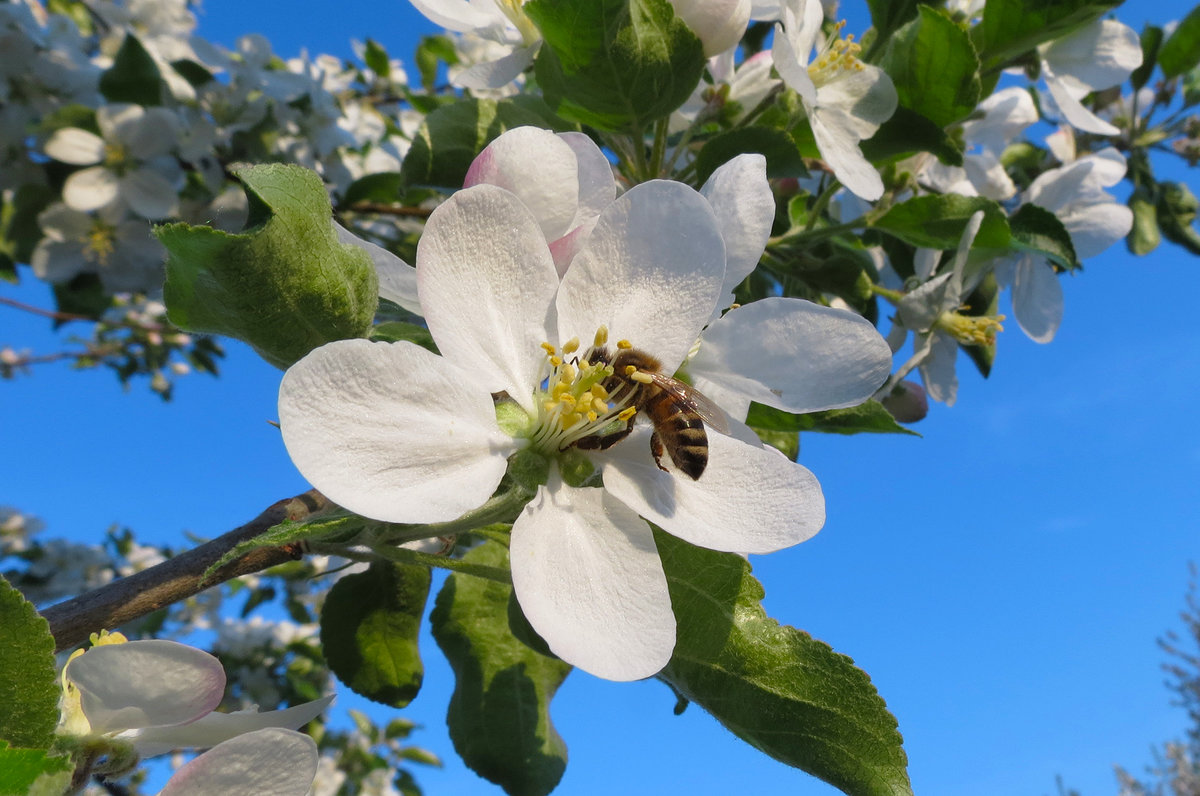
(602,442)
(656,448)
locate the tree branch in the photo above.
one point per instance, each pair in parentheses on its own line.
(177,578)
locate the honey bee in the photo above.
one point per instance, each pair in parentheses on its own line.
(677,410)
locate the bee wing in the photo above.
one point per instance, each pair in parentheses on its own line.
(697,401)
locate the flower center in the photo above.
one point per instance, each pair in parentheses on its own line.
(100,242)
(579,396)
(116,158)
(838,55)
(970,329)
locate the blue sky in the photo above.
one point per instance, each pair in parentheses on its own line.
(1002,579)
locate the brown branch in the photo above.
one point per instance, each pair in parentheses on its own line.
(52,314)
(177,578)
(382,208)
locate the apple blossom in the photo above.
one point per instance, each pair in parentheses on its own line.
(268,761)
(396,433)
(119,249)
(158,696)
(1095,57)
(846,100)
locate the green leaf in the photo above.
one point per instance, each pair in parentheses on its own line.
(1181,51)
(285,285)
(31,772)
(370,624)
(193,72)
(376,58)
(431,51)
(1038,231)
(133,77)
(383,187)
(937,222)
(451,137)
(338,528)
(19,230)
(1011,28)
(29,688)
(1152,38)
(1177,207)
(888,15)
(934,67)
(1144,237)
(783,158)
(907,132)
(615,64)
(395,331)
(499,715)
(775,687)
(868,417)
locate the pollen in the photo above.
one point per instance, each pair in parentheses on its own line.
(837,56)
(971,329)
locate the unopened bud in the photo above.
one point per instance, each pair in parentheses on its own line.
(907,402)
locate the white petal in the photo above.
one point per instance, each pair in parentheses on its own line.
(215,728)
(272,761)
(487,282)
(937,369)
(921,306)
(91,188)
(597,188)
(750,499)
(719,24)
(1073,110)
(588,577)
(75,146)
(145,684)
(1005,115)
(110,118)
(498,73)
(651,271)
(459,15)
(397,279)
(1037,299)
(794,355)
(391,431)
(1097,56)
(841,152)
(791,62)
(539,168)
(742,201)
(149,194)
(149,134)
(1095,227)
(57,261)
(867,96)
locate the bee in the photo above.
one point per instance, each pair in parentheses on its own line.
(677,410)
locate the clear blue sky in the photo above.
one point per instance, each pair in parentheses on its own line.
(1002,579)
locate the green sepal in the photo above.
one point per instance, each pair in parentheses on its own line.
(285,284)
(29,688)
(370,624)
(934,67)
(133,77)
(1037,231)
(937,221)
(783,158)
(452,135)
(33,772)
(775,687)
(1177,207)
(867,417)
(339,528)
(1011,28)
(395,331)
(1144,237)
(906,132)
(499,714)
(1181,52)
(617,65)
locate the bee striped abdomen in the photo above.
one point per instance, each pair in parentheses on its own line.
(679,432)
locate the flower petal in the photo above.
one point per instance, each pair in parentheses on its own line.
(937,368)
(216,728)
(146,684)
(149,194)
(1095,227)
(794,355)
(91,188)
(1095,56)
(498,73)
(597,188)
(461,16)
(651,271)
(841,152)
(719,24)
(750,498)
(588,577)
(75,146)
(1037,299)
(1073,110)
(274,761)
(487,282)
(148,134)
(391,431)
(742,201)
(539,168)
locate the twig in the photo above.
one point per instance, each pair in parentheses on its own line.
(52,314)
(178,578)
